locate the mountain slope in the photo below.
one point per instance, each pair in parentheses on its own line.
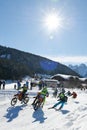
(16,64)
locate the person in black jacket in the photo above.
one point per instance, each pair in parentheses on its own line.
(0,84)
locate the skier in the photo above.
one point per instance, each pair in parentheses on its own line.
(62,100)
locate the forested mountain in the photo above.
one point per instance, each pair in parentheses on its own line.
(15,64)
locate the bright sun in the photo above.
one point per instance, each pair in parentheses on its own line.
(52,22)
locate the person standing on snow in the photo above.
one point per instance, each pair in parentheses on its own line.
(18,84)
(27,84)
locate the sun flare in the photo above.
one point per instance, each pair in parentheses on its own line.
(52,22)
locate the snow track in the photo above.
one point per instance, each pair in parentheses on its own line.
(22,117)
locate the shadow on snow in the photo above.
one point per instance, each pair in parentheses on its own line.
(12,112)
(39,116)
(65,111)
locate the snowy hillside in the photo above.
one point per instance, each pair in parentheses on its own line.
(22,117)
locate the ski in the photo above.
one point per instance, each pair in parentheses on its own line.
(50,108)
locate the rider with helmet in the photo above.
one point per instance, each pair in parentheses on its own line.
(24,90)
(44,93)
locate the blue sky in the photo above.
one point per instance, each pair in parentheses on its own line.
(22,26)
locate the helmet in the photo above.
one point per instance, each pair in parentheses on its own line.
(63,90)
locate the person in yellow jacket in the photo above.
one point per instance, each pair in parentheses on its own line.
(44,93)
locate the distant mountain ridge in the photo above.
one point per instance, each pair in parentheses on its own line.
(80,69)
(15,64)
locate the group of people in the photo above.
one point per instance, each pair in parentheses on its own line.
(43,92)
(62,96)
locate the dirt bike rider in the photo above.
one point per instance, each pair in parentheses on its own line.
(44,93)
(62,100)
(24,90)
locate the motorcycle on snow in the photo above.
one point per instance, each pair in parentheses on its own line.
(19,97)
(39,101)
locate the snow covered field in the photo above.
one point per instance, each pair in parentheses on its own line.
(22,117)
